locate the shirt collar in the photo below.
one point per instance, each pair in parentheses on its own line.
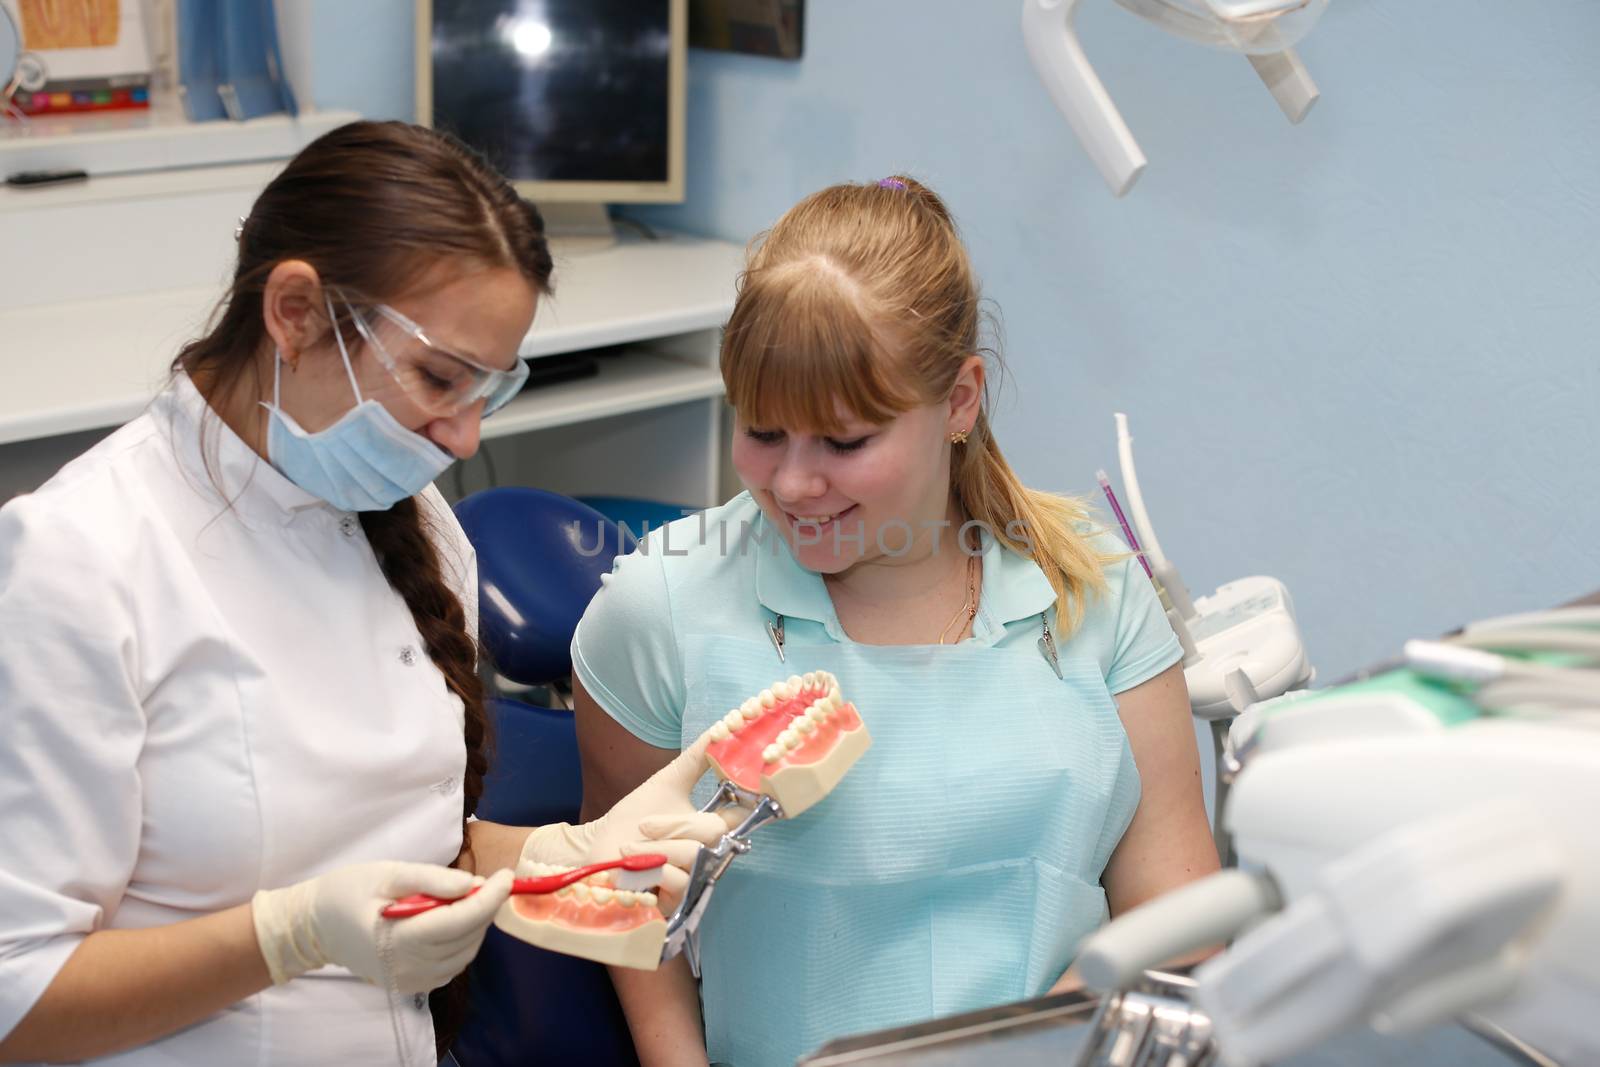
(244,479)
(786,588)
(1014,588)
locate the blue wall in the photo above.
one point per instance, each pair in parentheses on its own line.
(364,56)
(1358,354)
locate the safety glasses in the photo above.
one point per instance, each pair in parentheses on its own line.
(437,380)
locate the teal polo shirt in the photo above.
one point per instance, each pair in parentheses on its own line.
(727,570)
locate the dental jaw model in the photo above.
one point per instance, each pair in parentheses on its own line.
(602,912)
(792,743)
(778,754)
(599,918)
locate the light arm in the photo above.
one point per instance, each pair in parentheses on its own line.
(662,1008)
(124,988)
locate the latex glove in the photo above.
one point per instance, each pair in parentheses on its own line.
(333,919)
(658,810)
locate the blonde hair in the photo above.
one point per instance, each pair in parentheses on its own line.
(863,295)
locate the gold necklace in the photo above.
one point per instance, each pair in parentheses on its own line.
(970,608)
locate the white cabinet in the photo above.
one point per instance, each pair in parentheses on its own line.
(107,278)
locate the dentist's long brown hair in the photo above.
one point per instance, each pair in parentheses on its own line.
(375,207)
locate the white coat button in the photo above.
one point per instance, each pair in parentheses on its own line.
(420,1001)
(349,525)
(408,656)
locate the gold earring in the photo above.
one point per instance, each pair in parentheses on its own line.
(958,437)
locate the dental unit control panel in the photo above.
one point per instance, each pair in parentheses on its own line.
(1417,847)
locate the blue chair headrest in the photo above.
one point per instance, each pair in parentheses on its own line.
(540,559)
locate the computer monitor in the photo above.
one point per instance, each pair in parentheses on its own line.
(573,100)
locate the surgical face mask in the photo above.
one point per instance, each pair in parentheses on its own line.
(366,461)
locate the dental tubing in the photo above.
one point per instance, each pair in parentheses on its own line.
(1202,913)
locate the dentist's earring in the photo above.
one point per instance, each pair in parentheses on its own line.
(958,437)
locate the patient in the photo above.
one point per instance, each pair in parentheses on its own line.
(1033,767)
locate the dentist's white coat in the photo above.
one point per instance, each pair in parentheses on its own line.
(198,701)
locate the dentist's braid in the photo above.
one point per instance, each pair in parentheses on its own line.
(408,555)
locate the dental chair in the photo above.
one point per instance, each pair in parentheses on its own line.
(636,513)
(540,559)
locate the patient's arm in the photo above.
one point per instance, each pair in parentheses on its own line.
(663,1007)
(1169,841)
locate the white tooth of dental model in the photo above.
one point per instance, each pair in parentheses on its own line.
(771,754)
(751,708)
(1265,30)
(767,698)
(809,679)
(601,895)
(733,720)
(719,731)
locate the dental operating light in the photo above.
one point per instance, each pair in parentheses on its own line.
(1264,31)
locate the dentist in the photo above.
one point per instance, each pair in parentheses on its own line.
(239,701)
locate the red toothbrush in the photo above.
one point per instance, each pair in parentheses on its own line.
(417,903)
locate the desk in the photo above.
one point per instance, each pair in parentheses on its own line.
(123,269)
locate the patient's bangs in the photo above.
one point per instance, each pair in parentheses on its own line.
(799,354)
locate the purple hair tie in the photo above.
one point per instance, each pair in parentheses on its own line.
(891,183)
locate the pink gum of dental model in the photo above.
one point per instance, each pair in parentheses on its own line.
(793,742)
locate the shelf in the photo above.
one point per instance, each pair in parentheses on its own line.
(91,364)
(637,380)
(159,139)
(634,290)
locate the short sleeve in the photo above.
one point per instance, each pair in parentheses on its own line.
(1142,644)
(71,730)
(625,650)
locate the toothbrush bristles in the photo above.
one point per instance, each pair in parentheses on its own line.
(648,878)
